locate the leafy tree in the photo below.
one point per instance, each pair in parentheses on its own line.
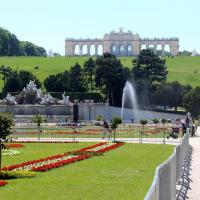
(143,122)
(191,102)
(14,46)
(76,79)
(163,121)
(6,124)
(58,82)
(5,71)
(155,121)
(89,70)
(4,42)
(11,46)
(110,77)
(169,94)
(18,80)
(149,66)
(12,83)
(114,123)
(39,119)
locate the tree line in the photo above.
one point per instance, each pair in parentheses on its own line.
(107,75)
(10,45)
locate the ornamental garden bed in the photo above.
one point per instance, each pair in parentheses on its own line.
(118,174)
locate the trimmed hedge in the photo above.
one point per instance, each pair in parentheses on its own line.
(97,97)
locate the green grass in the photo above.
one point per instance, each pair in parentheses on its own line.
(180,68)
(121,174)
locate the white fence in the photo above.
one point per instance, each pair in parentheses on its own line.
(167,174)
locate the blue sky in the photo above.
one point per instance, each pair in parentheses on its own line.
(48,22)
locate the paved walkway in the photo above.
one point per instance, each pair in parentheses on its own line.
(130,140)
(194,193)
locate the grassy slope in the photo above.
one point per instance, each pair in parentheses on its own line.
(124,173)
(180,68)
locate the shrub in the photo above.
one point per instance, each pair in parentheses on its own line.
(16,174)
(164,121)
(115,122)
(143,121)
(99,118)
(155,121)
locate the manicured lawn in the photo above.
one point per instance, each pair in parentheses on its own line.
(124,173)
(180,68)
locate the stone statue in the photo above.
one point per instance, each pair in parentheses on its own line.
(47,99)
(65,100)
(9,100)
(31,94)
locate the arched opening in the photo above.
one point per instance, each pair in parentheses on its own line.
(151,47)
(129,50)
(167,50)
(143,46)
(113,50)
(92,50)
(100,49)
(84,51)
(77,50)
(121,50)
(159,50)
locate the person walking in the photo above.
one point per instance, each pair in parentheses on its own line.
(105,129)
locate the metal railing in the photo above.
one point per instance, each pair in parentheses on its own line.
(123,133)
(167,174)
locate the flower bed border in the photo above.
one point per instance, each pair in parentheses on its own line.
(57,161)
(3,183)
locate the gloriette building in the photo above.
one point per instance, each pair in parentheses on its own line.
(120,43)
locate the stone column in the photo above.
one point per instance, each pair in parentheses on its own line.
(174,48)
(155,48)
(163,49)
(69,47)
(88,50)
(96,49)
(80,50)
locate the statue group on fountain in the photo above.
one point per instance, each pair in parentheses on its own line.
(32,95)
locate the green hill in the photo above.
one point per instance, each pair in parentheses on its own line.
(180,68)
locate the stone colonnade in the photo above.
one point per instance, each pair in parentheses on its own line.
(120,44)
(76,47)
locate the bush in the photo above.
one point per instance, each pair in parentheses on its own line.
(164,121)
(16,174)
(81,96)
(143,121)
(155,121)
(99,118)
(115,122)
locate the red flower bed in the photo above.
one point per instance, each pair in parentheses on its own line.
(11,167)
(2,183)
(13,145)
(60,163)
(64,159)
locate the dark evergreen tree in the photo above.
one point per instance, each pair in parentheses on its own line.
(76,79)
(89,70)
(110,77)
(149,66)
(191,102)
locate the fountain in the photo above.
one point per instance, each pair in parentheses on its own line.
(9,100)
(129,98)
(65,100)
